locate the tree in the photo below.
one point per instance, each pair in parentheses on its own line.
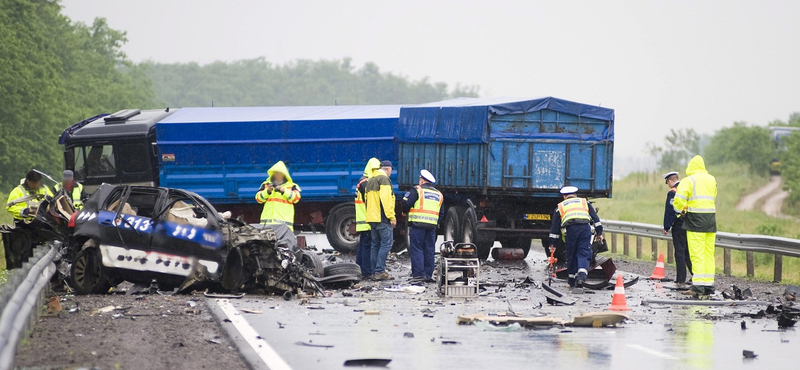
(749,145)
(257,82)
(54,73)
(679,146)
(790,166)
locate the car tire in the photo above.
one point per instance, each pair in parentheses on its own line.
(87,274)
(337,229)
(312,263)
(344,268)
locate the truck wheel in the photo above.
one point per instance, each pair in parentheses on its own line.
(87,274)
(521,243)
(340,229)
(452,224)
(469,233)
(401,240)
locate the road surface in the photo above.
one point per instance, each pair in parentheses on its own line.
(655,337)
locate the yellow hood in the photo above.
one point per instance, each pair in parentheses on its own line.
(279,167)
(374,163)
(696,165)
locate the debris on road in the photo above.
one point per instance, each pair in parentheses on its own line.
(368,362)
(223,296)
(695,302)
(408,335)
(372,312)
(486,326)
(247,310)
(749,354)
(597,319)
(416,289)
(524,321)
(310,344)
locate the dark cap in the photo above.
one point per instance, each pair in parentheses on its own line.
(386,164)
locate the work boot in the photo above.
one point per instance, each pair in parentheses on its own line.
(571,282)
(709,290)
(382,276)
(367,277)
(417,280)
(580,279)
(695,291)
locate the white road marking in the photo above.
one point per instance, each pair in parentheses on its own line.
(652,352)
(260,346)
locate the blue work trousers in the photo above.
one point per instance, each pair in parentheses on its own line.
(578,245)
(364,252)
(382,239)
(422,251)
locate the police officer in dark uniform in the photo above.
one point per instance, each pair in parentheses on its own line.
(574,218)
(423,204)
(673,222)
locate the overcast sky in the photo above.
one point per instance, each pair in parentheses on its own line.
(659,64)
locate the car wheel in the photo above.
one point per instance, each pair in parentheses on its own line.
(340,229)
(88,274)
(312,263)
(345,268)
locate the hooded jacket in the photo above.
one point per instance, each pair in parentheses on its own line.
(696,195)
(361,207)
(278,206)
(380,198)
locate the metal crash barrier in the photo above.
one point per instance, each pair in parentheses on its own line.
(748,243)
(20,298)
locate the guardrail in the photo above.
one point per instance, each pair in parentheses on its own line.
(21,297)
(748,243)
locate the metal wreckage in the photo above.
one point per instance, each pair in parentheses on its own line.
(173,240)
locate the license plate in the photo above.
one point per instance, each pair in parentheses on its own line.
(537,216)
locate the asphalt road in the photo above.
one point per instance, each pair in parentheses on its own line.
(655,337)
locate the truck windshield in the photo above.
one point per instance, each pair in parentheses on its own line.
(94,161)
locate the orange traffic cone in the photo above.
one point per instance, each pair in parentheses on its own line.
(658,272)
(618,302)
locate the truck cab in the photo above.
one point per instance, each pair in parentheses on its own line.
(114,148)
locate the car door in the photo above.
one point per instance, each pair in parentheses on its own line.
(126,227)
(188,226)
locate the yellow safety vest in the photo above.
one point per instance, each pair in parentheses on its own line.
(426,209)
(574,209)
(20,192)
(361,210)
(77,190)
(279,207)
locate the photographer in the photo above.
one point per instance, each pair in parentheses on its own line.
(278,194)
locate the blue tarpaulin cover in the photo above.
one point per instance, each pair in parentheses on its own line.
(466,120)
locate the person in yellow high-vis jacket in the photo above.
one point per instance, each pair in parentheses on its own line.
(72,188)
(364,251)
(381,218)
(695,200)
(23,201)
(278,194)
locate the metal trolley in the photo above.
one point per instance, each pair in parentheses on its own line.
(459,270)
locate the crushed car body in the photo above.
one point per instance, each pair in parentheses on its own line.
(177,240)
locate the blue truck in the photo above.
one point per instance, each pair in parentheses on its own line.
(499,162)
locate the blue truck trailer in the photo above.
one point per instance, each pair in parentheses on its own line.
(499,162)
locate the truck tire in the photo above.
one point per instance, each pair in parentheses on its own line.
(521,243)
(401,240)
(469,233)
(88,276)
(344,268)
(452,224)
(338,227)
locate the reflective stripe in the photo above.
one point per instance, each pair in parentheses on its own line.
(703,276)
(268,221)
(571,276)
(554,236)
(279,200)
(598,223)
(680,196)
(583,271)
(701,210)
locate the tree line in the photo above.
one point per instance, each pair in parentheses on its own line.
(55,72)
(751,145)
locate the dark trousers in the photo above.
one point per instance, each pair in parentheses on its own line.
(382,239)
(422,251)
(578,245)
(364,252)
(682,260)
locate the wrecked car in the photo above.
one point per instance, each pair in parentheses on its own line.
(177,239)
